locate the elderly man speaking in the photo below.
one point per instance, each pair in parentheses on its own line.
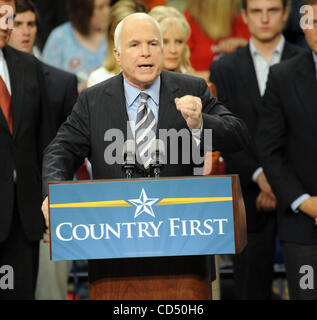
(142,100)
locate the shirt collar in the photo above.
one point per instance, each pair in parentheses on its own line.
(279,48)
(1,55)
(131,92)
(315,59)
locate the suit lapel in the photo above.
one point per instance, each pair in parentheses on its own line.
(16,72)
(306,85)
(168,93)
(289,51)
(118,111)
(248,75)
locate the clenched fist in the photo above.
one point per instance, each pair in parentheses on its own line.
(190,108)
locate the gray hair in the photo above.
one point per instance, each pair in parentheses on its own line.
(141,15)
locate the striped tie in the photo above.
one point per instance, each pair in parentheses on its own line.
(145,127)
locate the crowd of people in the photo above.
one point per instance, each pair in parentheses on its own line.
(237,69)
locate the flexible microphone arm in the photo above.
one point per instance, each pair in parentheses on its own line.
(129,158)
(157,152)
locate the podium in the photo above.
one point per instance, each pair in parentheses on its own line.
(153,276)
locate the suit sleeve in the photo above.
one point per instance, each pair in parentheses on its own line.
(229,133)
(272,139)
(47,126)
(71,95)
(70,147)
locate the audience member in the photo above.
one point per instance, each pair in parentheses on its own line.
(176,32)
(118,11)
(79,46)
(25,130)
(288,150)
(216,28)
(53,13)
(62,90)
(176,54)
(240,79)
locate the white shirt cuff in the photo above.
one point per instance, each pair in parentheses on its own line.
(295,204)
(256,174)
(196,133)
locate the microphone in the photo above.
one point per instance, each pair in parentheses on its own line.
(129,158)
(157,152)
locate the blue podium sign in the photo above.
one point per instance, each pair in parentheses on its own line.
(141,218)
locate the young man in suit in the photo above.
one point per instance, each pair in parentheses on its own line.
(62,91)
(240,80)
(25,130)
(287,144)
(173,101)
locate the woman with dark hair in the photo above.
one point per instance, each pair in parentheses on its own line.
(78,46)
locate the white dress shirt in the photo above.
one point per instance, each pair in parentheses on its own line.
(4,72)
(262,68)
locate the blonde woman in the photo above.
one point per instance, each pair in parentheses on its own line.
(118,12)
(176,32)
(216,28)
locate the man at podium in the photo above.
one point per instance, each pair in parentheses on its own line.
(140,102)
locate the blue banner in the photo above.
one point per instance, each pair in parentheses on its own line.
(141,218)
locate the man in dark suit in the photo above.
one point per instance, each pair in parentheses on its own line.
(240,79)
(61,85)
(287,144)
(62,91)
(172,101)
(25,129)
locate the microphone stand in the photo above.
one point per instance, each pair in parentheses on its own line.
(157,166)
(128,169)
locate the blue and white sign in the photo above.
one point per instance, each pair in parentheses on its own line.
(141,218)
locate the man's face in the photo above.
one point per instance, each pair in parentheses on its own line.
(141,56)
(7,10)
(265,19)
(24,33)
(311,34)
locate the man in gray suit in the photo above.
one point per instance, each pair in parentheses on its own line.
(172,101)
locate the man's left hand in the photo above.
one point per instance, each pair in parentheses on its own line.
(190,108)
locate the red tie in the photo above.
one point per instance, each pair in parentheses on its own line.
(5,103)
(82,173)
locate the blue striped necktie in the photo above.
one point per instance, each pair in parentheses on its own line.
(145,127)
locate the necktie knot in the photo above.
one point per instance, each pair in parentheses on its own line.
(144,97)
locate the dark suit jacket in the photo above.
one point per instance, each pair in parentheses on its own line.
(287,142)
(32,131)
(62,91)
(237,87)
(103,107)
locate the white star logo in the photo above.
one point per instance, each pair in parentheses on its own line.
(143,204)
